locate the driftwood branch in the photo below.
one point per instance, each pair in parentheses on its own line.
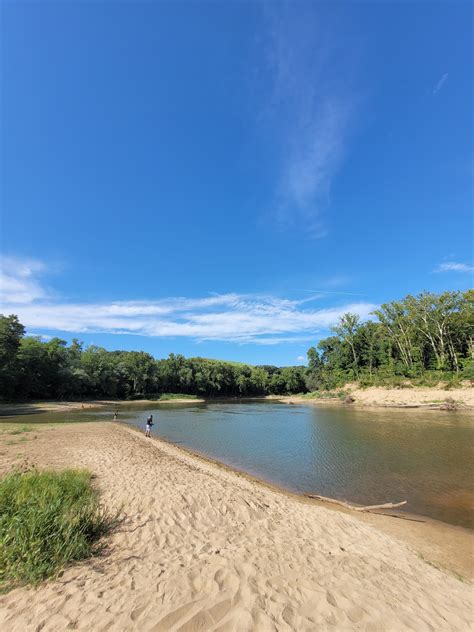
(355,507)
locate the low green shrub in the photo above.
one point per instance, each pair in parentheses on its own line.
(468,371)
(47,520)
(455,382)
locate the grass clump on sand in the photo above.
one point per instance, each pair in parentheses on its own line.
(169,396)
(47,520)
(13,428)
(324,395)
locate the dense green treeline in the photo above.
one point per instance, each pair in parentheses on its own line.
(32,369)
(425,338)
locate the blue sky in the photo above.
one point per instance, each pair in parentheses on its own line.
(225,179)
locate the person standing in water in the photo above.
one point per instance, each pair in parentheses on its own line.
(149,424)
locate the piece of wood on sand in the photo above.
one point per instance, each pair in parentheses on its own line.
(355,507)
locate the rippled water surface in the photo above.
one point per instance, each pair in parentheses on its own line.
(425,457)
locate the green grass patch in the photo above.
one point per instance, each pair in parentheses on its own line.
(21,430)
(167,396)
(47,520)
(13,428)
(324,395)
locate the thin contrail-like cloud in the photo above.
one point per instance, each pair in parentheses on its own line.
(329,292)
(440,83)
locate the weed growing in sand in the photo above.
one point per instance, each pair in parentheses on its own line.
(47,520)
(15,441)
(20,430)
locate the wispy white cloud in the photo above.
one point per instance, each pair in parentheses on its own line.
(452,266)
(38,335)
(312,108)
(320,293)
(238,318)
(440,83)
(258,319)
(17,279)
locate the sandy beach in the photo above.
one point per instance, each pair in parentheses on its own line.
(13,409)
(410,397)
(203,548)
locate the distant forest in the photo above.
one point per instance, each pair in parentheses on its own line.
(422,339)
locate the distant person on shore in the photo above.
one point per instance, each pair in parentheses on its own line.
(115,416)
(149,424)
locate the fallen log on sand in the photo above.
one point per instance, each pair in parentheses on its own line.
(355,507)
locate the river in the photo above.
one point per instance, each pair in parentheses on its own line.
(359,455)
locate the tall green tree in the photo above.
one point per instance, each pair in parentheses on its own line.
(347,329)
(396,321)
(11,333)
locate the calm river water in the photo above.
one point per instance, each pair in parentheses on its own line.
(363,456)
(425,457)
